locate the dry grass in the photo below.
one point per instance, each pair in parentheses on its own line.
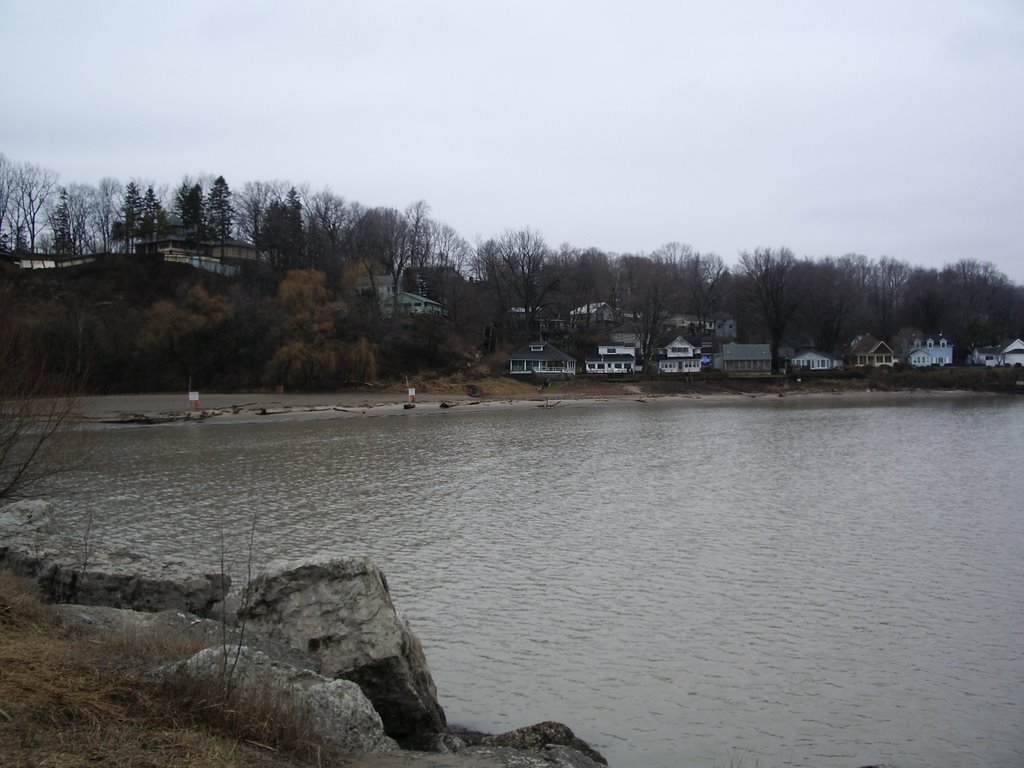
(492,387)
(70,697)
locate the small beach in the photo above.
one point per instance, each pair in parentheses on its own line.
(151,409)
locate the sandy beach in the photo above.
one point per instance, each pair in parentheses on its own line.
(171,408)
(167,408)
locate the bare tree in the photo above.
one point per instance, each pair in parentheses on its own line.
(523,266)
(888,287)
(706,275)
(252,203)
(450,250)
(34,187)
(70,220)
(925,306)
(379,243)
(486,268)
(419,231)
(103,213)
(648,285)
(673,258)
(834,296)
(673,252)
(328,221)
(976,293)
(7,184)
(587,281)
(771,283)
(442,275)
(35,411)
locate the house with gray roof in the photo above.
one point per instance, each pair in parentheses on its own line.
(744,358)
(987,356)
(539,357)
(178,245)
(1008,353)
(933,350)
(812,360)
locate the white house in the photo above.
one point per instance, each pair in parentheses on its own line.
(987,356)
(1013,352)
(678,356)
(612,358)
(931,351)
(591,314)
(812,360)
(1007,353)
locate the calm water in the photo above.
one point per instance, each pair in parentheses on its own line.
(685,584)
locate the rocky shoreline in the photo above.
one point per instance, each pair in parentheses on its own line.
(323,631)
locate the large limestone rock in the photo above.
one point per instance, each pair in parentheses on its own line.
(337,712)
(77,569)
(339,610)
(28,516)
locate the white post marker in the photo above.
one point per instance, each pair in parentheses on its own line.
(193,399)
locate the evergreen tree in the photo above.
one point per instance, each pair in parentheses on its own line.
(19,238)
(152,220)
(283,234)
(189,204)
(131,216)
(60,223)
(220,212)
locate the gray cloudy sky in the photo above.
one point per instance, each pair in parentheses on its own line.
(883,127)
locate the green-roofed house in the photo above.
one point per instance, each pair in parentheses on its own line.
(411,304)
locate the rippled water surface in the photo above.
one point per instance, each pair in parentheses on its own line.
(773,582)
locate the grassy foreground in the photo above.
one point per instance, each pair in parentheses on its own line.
(73,697)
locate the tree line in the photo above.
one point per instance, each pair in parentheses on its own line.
(307,314)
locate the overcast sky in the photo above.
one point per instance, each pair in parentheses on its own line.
(882,127)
